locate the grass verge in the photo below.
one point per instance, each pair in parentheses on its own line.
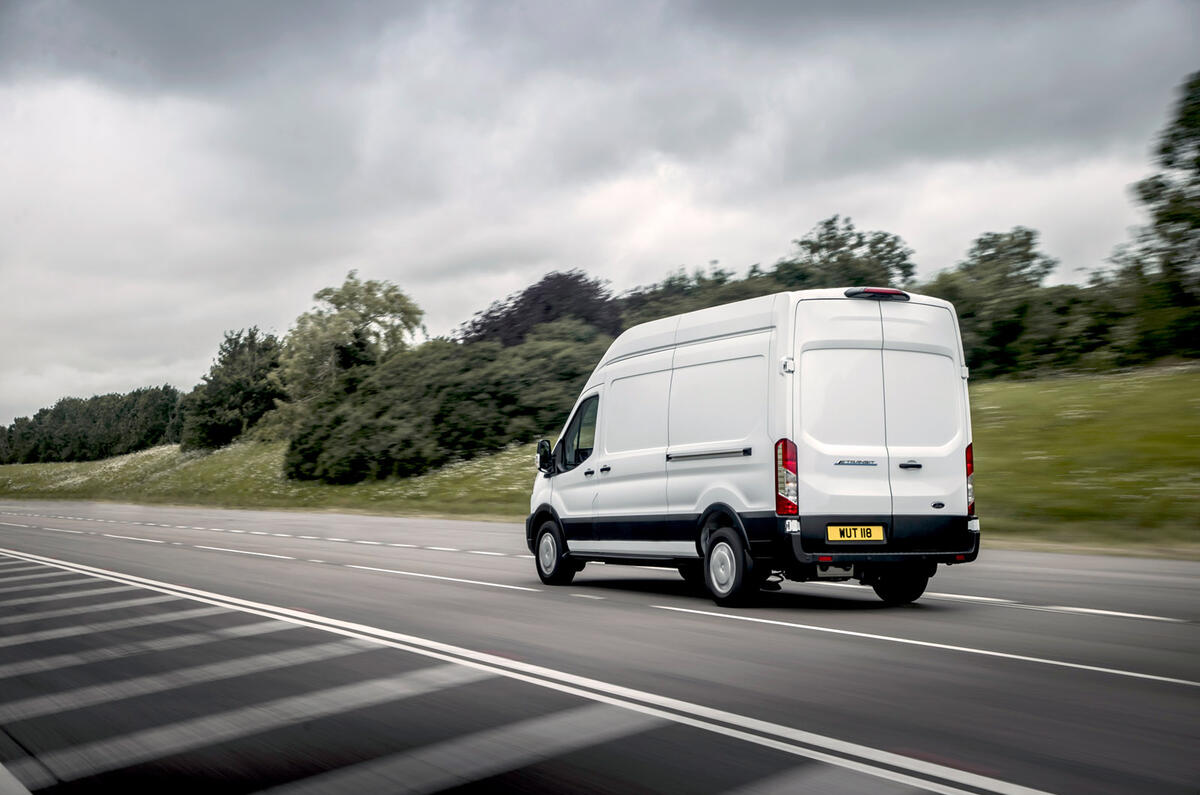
(1097,462)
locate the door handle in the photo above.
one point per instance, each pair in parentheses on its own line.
(606,468)
(587,473)
(910,465)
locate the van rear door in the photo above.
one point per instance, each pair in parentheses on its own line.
(926,422)
(842,455)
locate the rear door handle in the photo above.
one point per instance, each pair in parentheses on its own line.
(606,468)
(910,465)
(587,473)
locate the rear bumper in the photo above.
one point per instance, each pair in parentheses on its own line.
(931,539)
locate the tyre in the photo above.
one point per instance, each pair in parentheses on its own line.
(550,556)
(900,587)
(728,569)
(692,574)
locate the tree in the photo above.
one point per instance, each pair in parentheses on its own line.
(555,296)
(836,254)
(1160,270)
(235,394)
(994,290)
(358,323)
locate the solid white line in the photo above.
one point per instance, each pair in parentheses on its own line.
(759,732)
(134,538)
(245,552)
(89,759)
(440,577)
(75,611)
(932,645)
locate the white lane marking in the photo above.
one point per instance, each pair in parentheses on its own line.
(814,778)
(931,645)
(75,611)
(237,531)
(371,543)
(1091,611)
(969,598)
(12,569)
(314,560)
(585,596)
(134,538)
(764,733)
(106,626)
(121,651)
(482,552)
(440,577)
(530,557)
(25,577)
(9,783)
(443,549)
(179,527)
(199,528)
(89,759)
(245,552)
(282,535)
(331,538)
(474,757)
(258,533)
(308,538)
(37,706)
(404,546)
(41,585)
(217,529)
(14,524)
(63,530)
(54,597)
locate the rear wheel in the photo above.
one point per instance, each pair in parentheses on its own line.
(727,568)
(553,567)
(900,586)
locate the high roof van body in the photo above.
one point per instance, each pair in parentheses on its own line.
(820,434)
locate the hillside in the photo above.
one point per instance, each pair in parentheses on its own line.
(1098,460)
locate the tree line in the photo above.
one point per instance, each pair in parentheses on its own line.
(357,397)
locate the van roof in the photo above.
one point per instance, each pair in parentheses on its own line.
(735,318)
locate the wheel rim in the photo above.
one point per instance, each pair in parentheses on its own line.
(722,567)
(547,552)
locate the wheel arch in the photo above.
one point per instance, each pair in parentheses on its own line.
(542,513)
(716,516)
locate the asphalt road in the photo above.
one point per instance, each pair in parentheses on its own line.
(202,650)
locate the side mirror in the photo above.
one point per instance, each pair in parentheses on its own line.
(544,461)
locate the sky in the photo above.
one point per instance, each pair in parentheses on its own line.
(170,171)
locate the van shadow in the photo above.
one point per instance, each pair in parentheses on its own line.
(783,600)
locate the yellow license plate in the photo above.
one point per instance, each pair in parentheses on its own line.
(854,532)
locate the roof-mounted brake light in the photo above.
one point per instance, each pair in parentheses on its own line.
(877,293)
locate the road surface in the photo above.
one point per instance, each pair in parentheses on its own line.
(201,650)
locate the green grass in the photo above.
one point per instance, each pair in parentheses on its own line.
(1099,460)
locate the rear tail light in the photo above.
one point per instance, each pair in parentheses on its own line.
(970,480)
(787,482)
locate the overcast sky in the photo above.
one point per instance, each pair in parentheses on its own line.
(170,170)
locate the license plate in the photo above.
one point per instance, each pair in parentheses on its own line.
(854,532)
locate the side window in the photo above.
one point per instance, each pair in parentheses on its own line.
(580,437)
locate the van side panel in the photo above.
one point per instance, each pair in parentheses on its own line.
(719,447)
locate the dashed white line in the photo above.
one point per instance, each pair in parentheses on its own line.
(258,533)
(443,549)
(63,530)
(370,543)
(403,546)
(585,596)
(308,538)
(246,552)
(439,577)
(932,645)
(282,535)
(483,552)
(314,560)
(133,538)
(332,538)
(14,524)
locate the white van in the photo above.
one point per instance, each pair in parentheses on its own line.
(821,434)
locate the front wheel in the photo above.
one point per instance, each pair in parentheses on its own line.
(553,567)
(727,569)
(900,587)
